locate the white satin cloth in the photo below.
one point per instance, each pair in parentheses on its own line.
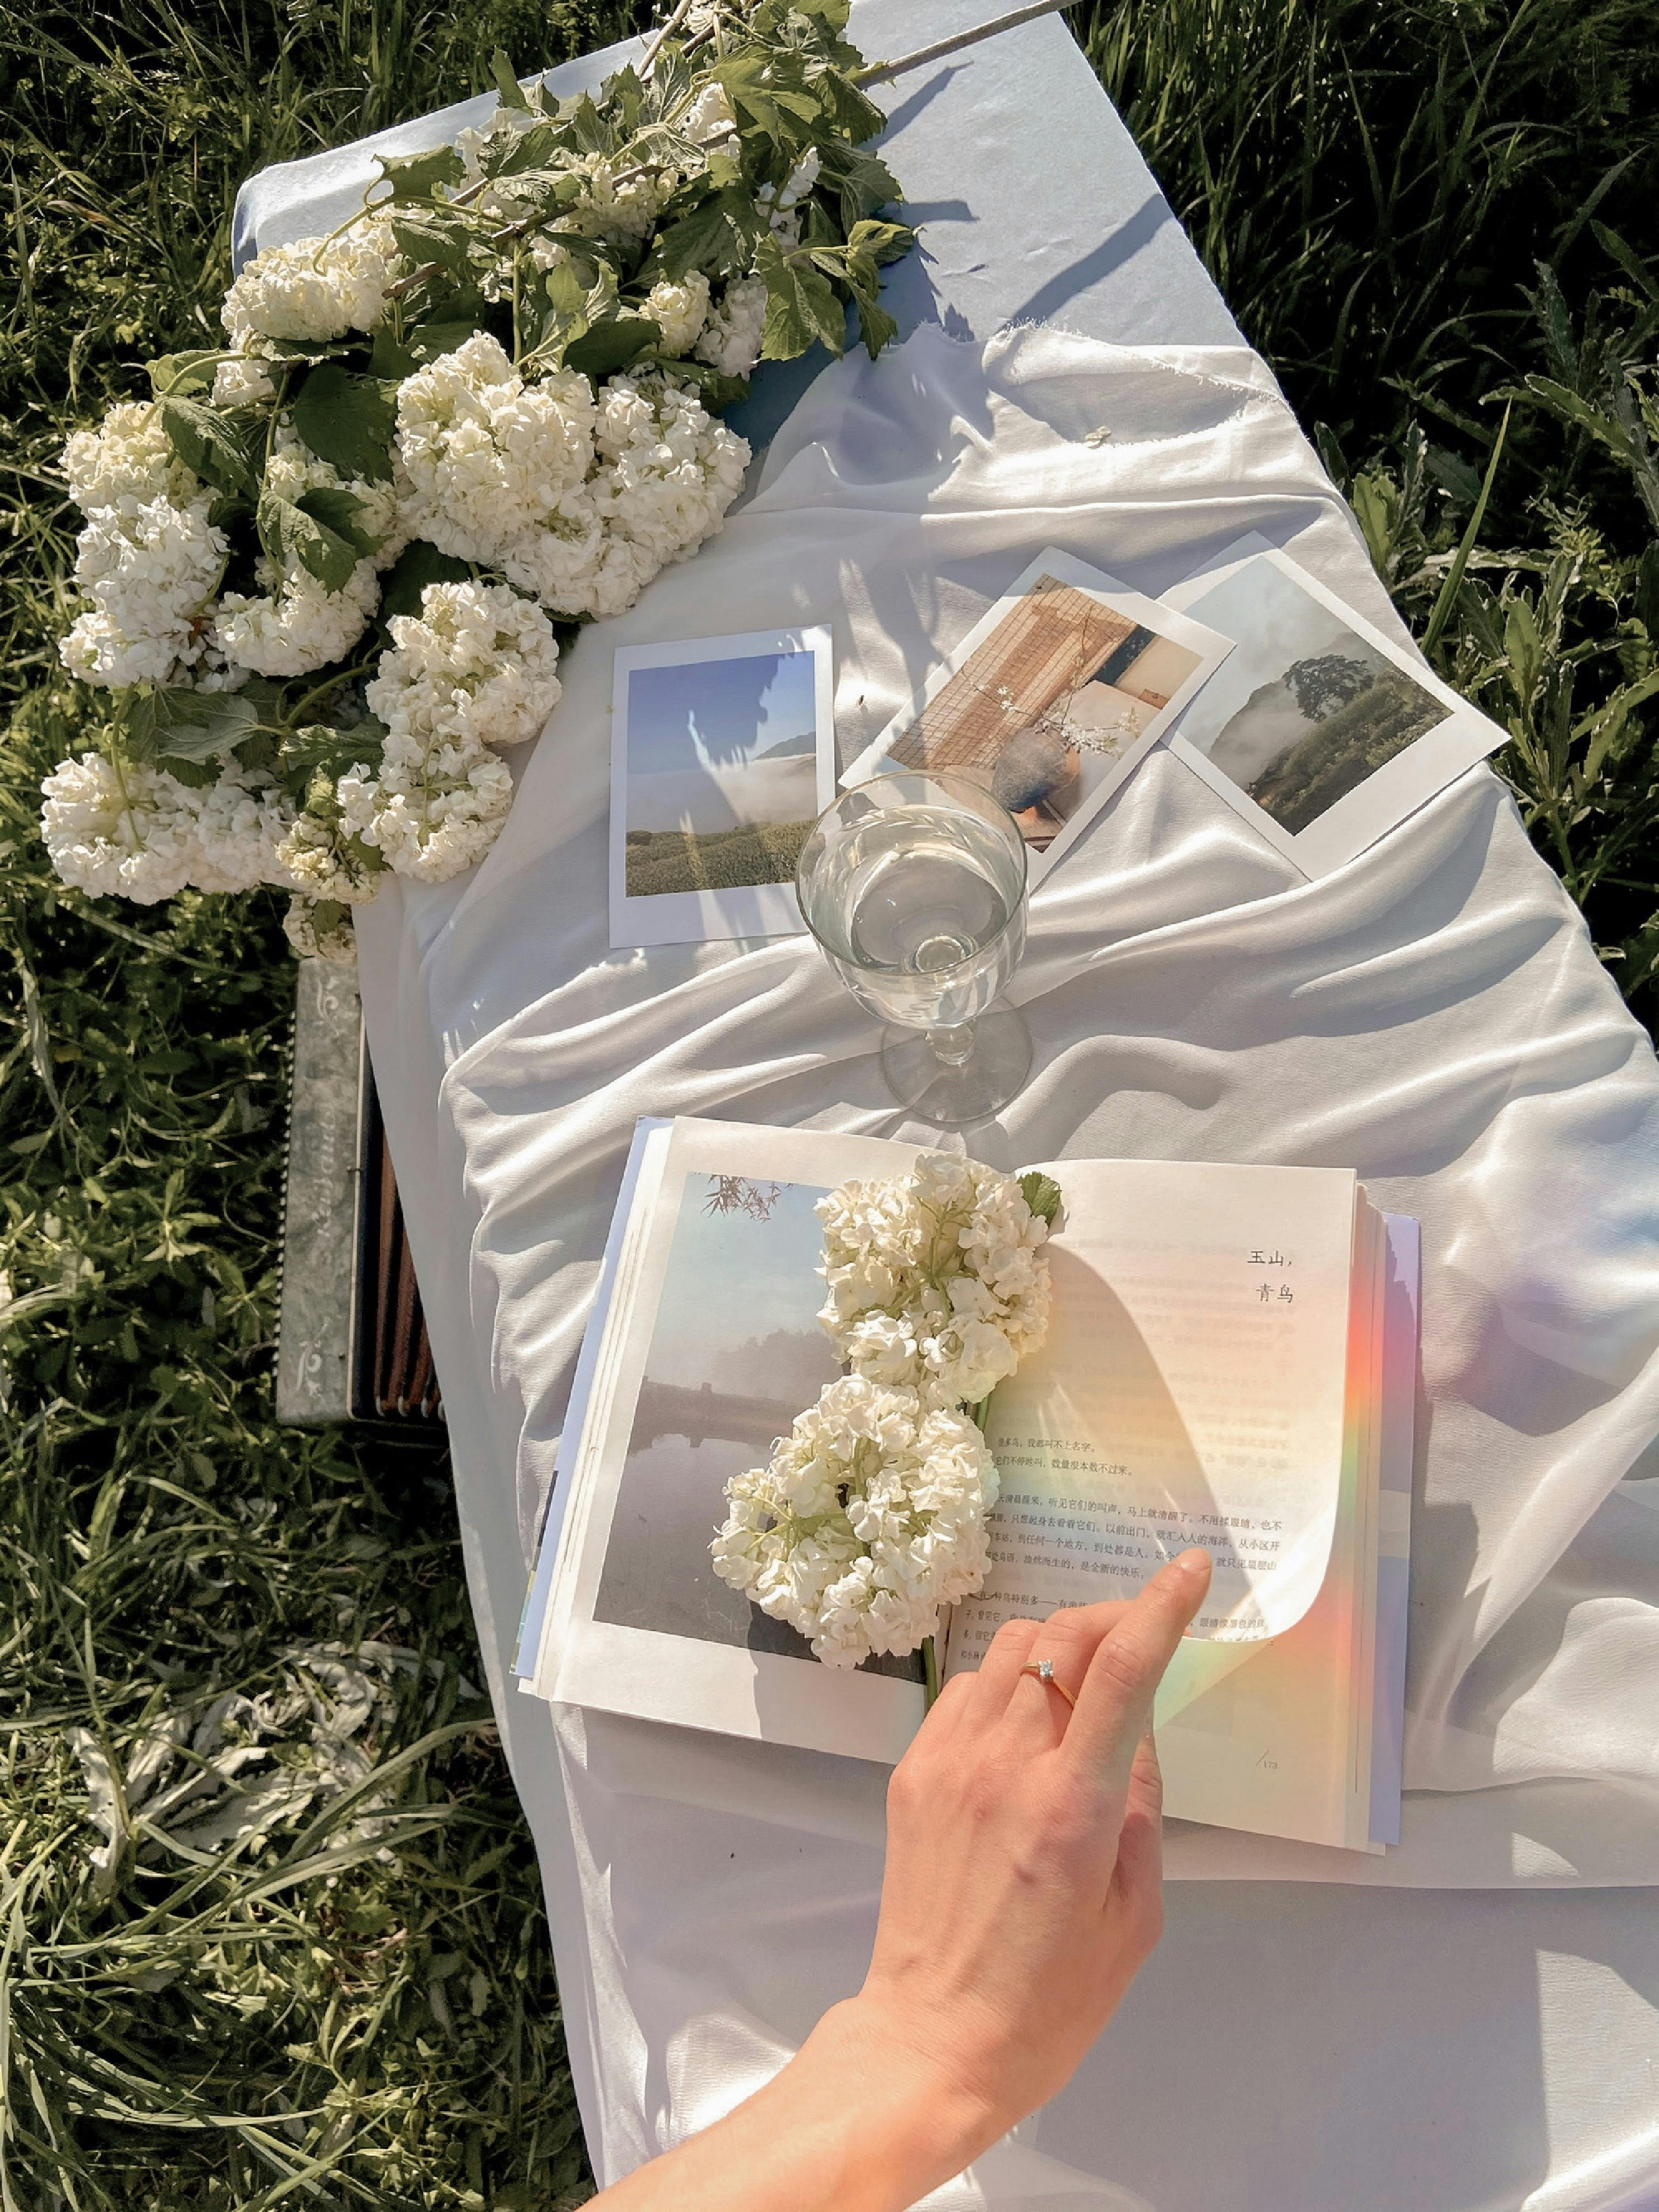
(1433,1015)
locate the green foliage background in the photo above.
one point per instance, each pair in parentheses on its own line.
(1424,212)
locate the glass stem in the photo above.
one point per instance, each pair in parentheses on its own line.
(952,1046)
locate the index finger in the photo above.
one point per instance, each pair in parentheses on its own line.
(1114,1707)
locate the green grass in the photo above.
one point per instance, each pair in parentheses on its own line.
(663,861)
(350,2002)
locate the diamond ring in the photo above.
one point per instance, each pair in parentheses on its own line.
(1044,1671)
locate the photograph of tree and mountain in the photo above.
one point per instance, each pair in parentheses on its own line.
(723,772)
(1303,709)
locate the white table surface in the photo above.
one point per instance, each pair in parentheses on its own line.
(1293,2043)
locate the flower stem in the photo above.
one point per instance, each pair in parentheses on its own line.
(879,72)
(930,1667)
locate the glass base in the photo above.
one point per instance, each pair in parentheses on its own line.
(925,1075)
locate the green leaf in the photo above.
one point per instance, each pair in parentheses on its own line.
(170,722)
(510,91)
(434,236)
(754,86)
(204,442)
(800,305)
(183,375)
(342,511)
(297,539)
(852,116)
(391,361)
(876,327)
(719,391)
(865,184)
(348,421)
(530,149)
(610,346)
(417,176)
(883,242)
(717,237)
(1041,1193)
(587,126)
(418,565)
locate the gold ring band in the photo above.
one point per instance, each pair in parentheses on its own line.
(1044,1671)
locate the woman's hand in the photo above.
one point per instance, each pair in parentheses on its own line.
(1023,1894)
(1024,1887)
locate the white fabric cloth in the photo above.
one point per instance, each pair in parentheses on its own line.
(1434,1015)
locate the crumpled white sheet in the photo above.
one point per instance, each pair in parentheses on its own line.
(1434,1015)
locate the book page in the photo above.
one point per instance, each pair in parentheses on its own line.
(711,1347)
(1191,1391)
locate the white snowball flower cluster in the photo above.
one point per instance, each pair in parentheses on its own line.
(936,1280)
(667,471)
(296,624)
(126,458)
(732,339)
(134,832)
(475,669)
(680,310)
(148,568)
(336,939)
(615,205)
(317,287)
(710,122)
(148,557)
(870,1517)
(244,381)
(488,457)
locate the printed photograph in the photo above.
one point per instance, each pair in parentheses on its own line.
(1042,707)
(736,1352)
(1304,708)
(723,772)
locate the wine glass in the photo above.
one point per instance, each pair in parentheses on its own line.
(913,884)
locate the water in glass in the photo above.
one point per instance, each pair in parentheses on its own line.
(922,898)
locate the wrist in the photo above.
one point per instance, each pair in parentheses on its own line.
(915,2122)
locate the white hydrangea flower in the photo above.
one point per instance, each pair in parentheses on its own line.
(118,831)
(668,473)
(245,381)
(126,458)
(293,470)
(475,669)
(148,565)
(870,1517)
(477,666)
(731,340)
(297,624)
(317,856)
(680,310)
(488,457)
(317,287)
(710,123)
(938,1280)
(337,942)
(133,832)
(430,816)
(802,178)
(613,205)
(240,823)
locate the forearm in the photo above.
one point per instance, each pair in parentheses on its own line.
(857,2122)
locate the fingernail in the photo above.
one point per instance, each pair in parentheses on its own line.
(1194,1560)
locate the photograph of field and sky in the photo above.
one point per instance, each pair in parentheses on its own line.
(723,772)
(736,1352)
(1303,709)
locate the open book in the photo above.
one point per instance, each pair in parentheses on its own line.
(1231,1361)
